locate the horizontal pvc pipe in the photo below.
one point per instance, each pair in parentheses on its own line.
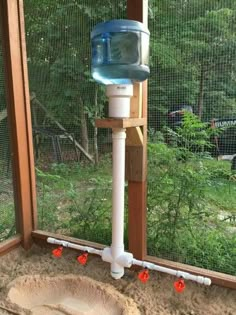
(88,249)
(132,261)
(173,272)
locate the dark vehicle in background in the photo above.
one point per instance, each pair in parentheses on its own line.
(224,143)
(175,115)
(227,139)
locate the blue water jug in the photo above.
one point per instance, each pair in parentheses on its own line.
(120,52)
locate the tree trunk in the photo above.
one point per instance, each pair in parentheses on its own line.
(95,128)
(201,92)
(84,128)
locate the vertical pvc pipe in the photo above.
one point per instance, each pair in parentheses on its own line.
(119,107)
(118,185)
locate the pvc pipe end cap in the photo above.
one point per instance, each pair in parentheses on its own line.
(51,240)
(207,281)
(117,275)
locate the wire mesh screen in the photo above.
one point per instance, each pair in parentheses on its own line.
(7,213)
(192,133)
(192,115)
(73,158)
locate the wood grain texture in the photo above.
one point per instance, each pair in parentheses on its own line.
(134,164)
(137,10)
(137,218)
(119,122)
(19,117)
(134,137)
(9,245)
(40,237)
(136,101)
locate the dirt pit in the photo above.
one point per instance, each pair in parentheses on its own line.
(156,297)
(70,295)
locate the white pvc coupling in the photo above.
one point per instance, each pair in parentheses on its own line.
(118,262)
(119,100)
(124,260)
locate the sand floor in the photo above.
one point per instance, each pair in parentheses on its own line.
(155,297)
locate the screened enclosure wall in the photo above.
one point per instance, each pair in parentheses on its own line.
(73,158)
(7,213)
(191,126)
(192,133)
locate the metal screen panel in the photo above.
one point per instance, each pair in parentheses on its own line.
(7,213)
(73,158)
(192,133)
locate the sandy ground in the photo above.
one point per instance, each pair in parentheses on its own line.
(155,297)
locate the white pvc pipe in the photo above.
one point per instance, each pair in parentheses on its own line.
(88,249)
(119,107)
(173,272)
(119,99)
(126,260)
(118,186)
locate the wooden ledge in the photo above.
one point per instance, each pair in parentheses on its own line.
(10,244)
(40,238)
(120,122)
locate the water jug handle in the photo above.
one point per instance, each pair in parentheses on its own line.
(106,37)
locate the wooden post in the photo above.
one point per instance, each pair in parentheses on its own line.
(19,117)
(136,161)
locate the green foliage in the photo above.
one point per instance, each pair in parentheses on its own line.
(192,135)
(76,200)
(192,42)
(191,205)
(192,58)
(47,218)
(185,200)
(89,215)
(59,56)
(7,215)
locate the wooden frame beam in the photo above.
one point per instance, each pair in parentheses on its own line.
(136,153)
(138,10)
(9,245)
(19,117)
(40,237)
(119,122)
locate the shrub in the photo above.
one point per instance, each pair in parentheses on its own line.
(183,222)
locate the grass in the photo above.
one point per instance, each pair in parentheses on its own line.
(222,196)
(7,215)
(191,209)
(75,200)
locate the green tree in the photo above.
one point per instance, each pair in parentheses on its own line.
(59,57)
(193,57)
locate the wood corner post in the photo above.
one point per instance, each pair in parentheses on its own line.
(136,153)
(19,117)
